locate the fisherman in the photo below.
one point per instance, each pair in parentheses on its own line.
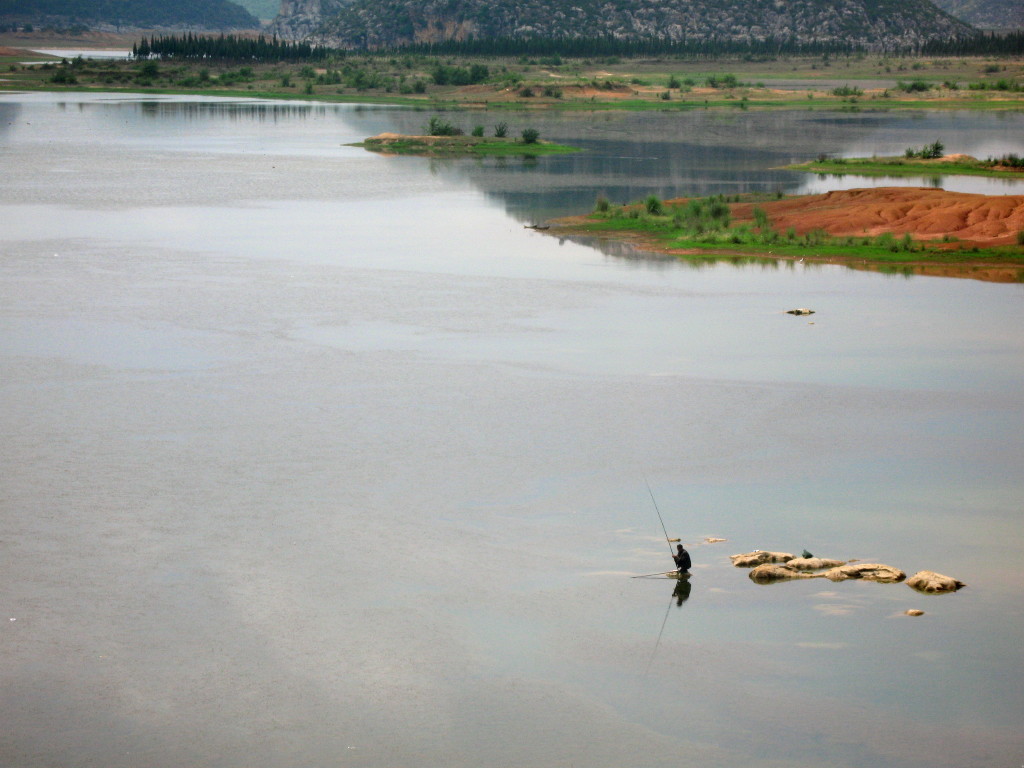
(682,558)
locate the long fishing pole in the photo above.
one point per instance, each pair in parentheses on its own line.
(663,528)
(664,621)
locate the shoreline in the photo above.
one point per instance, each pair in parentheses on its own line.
(535,84)
(859,229)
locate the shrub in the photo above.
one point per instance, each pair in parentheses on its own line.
(673,82)
(916,86)
(1020,237)
(652,204)
(478,131)
(501,130)
(439,127)
(846,90)
(602,205)
(530,135)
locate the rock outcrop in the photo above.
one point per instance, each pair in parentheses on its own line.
(758,557)
(933,583)
(814,563)
(769,573)
(885,574)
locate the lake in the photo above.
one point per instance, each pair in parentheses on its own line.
(316,457)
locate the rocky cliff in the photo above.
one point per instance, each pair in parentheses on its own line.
(372,23)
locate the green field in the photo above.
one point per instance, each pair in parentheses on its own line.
(855,82)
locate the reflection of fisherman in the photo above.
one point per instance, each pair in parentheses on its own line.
(682,591)
(682,558)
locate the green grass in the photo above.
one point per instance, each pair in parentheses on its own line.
(464,146)
(900,166)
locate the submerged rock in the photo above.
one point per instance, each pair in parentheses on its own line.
(933,583)
(767,573)
(885,574)
(814,563)
(758,557)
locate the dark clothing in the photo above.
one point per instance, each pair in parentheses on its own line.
(682,558)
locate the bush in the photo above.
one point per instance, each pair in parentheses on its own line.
(653,205)
(501,130)
(439,127)
(917,86)
(478,131)
(602,205)
(846,90)
(931,151)
(530,135)
(1020,237)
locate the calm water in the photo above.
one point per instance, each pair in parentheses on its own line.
(313,457)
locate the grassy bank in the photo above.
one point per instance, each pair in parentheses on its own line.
(903,166)
(462,146)
(738,227)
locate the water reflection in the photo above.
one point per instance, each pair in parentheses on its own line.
(681,593)
(8,115)
(628,156)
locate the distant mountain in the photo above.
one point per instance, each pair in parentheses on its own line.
(206,14)
(261,9)
(988,14)
(373,23)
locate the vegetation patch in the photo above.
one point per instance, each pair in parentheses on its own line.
(928,160)
(838,226)
(460,145)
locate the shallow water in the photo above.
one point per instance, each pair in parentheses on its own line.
(313,456)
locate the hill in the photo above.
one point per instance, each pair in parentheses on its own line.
(206,14)
(261,9)
(988,14)
(373,23)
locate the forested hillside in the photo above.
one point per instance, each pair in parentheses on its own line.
(374,23)
(208,14)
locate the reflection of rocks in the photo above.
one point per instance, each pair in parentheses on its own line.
(769,573)
(814,563)
(933,583)
(758,557)
(885,574)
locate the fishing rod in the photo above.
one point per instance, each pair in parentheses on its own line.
(663,528)
(652,575)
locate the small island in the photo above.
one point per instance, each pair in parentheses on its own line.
(460,146)
(892,229)
(929,160)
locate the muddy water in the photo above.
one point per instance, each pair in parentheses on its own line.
(314,457)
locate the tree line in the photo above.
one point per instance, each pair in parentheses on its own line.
(234,48)
(230,48)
